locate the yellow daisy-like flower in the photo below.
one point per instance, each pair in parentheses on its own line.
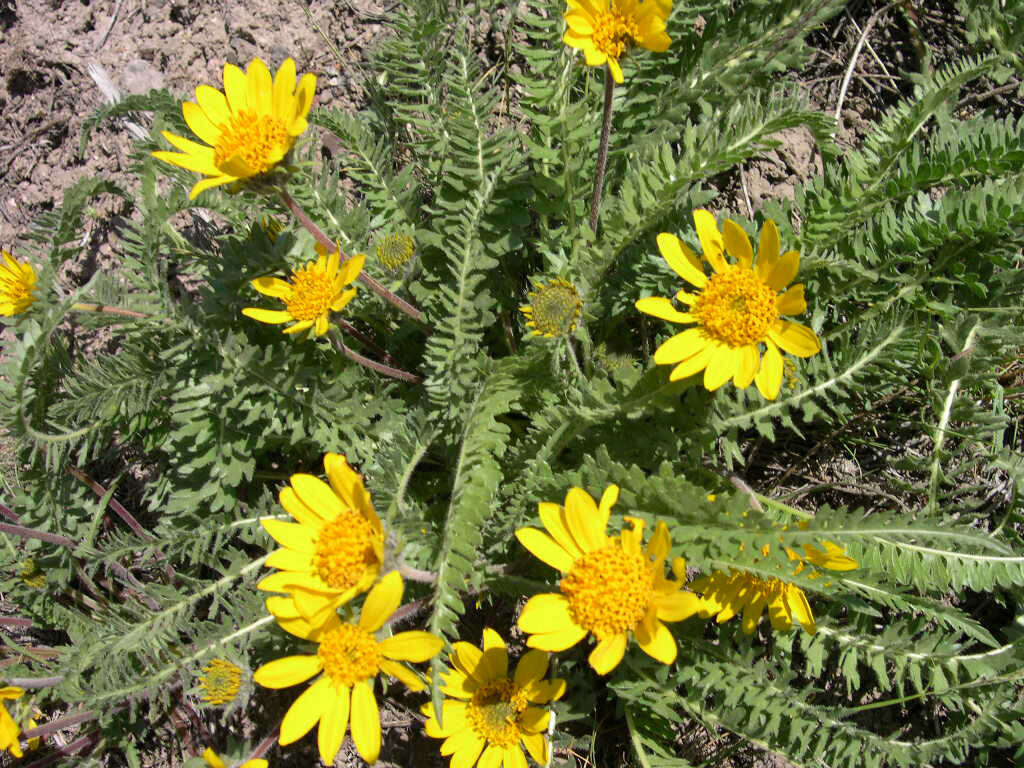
(9,730)
(220,681)
(611,587)
(605,29)
(17,281)
(349,658)
(554,308)
(726,595)
(334,550)
(215,761)
(490,715)
(248,129)
(737,309)
(313,292)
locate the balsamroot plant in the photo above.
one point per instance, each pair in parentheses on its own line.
(587,460)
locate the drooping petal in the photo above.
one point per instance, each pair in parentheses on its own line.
(204,184)
(737,243)
(545,549)
(299,327)
(607,653)
(801,609)
(683,261)
(769,377)
(274,287)
(352,267)
(537,745)
(333,724)
(616,70)
(343,300)
(794,338)
(382,601)
(721,367)
(608,500)
(213,759)
(677,606)
(198,162)
(288,671)
(681,347)
(365,722)
(693,364)
(403,674)
(303,102)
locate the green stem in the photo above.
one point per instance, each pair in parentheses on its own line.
(602,152)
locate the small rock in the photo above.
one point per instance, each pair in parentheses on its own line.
(139,76)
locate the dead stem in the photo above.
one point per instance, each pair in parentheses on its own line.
(602,151)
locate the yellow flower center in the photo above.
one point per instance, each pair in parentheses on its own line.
(494,710)
(13,287)
(220,681)
(312,293)
(612,32)
(555,308)
(260,140)
(344,551)
(350,654)
(736,307)
(609,590)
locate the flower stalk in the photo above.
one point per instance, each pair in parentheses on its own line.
(365,279)
(602,151)
(106,308)
(373,365)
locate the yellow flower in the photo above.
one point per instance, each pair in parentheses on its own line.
(494,714)
(611,586)
(350,657)
(9,730)
(736,309)
(315,291)
(17,281)
(214,761)
(554,308)
(605,29)
(220,681)
(727,595)
(395,251)
(334,551)
(249,128)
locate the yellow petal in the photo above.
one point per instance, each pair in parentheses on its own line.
(532,666)
(545,549)
(317,495)
(303,102)
(333,723)
(721,367)
(752,613)
(579,22)
(453,713)
(413,645)
(343,300)
(660,543)
(271,316)
(681,347)
(513,757)
(299,327)
(737,243)
(200,124)
(746,368)
(608,500)
(348,484)
(616,70)
(291,535)
(585,524)
(382,601)
(306,710)
(768,249)
(493,665)
(260,87)
(677,606)
(683,261)
(537,745)
(284,90)
(204,184)
(794,338)
(710,239)
(659,645)
(192,162)
(288,671)
(660,307)
(213,103)
(546,613)
(607,653)
(466,658)
(800,608)
(274,287)
(297,509)
(212,758)
(769,377)
(784,270)
(469,748)
(352,267)
(236,88)
(491,758)
(403,674)
(290,560)
(792,302)
(693,364)
(558,640)
(365,722)
(553,517)
(535,719)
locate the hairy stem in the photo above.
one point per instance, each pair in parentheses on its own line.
(602,152)
(326,242)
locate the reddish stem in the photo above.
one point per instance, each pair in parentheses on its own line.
(90,740)
(373,365)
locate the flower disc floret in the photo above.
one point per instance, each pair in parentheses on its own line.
(395,251)
(613,32)
(554,308)
(613,588)
(736,308)
(220,681)
(312,293)
(259,140)
(610,590)
(494,711)
(344,550)
(350,654)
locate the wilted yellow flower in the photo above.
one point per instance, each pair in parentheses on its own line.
(554,308)
(9,730)
(334,550)
(214,761)
(611,587)
(726,595)
(395,251)
(313,292)
(249,128)
(350,657)
(605,29)
(736,310)
(17,281)
(220,681)
(491,716)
